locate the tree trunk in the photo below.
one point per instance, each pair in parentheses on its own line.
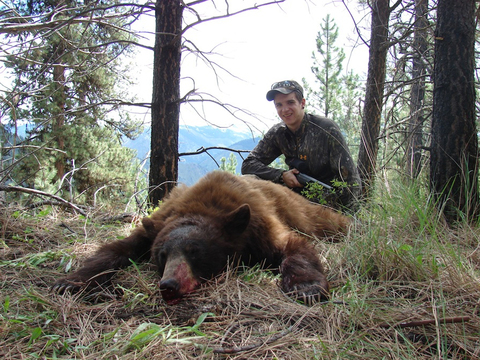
(417,91)
(454,149)
(165,99)
(367,156)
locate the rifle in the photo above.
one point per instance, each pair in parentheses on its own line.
(304,179)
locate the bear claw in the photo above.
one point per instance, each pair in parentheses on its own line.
(63,286)
(309,294)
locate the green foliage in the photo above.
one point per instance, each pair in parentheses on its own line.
(231,166)
(328,70)
(32,260)
(402,234)
(279,163)
(95,160)
(257,274)
(317,193)
(148,332)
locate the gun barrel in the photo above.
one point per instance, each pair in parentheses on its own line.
(304,179)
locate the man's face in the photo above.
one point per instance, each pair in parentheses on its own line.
(289,109)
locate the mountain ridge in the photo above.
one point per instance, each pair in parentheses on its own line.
(193,138)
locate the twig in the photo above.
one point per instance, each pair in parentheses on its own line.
(67,227)
(203,149)
(449,320)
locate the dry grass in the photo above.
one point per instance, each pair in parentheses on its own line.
(400,265)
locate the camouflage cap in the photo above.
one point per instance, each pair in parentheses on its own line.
(284,87)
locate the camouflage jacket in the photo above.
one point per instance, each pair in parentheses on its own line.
(321,147)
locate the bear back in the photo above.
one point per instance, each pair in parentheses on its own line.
(275,209)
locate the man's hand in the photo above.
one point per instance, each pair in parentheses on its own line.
(290,179)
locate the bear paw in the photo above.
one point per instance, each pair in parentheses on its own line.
(308,293)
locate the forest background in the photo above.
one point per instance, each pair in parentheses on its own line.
(70,83)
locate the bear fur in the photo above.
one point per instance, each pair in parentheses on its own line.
(222,219)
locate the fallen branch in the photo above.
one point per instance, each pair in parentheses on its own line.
(8,188)
(449,320)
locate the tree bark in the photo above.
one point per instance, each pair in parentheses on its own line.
(165,99)
(367,156)
(417,91)
(454,148)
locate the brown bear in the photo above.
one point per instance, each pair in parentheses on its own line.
(222,219)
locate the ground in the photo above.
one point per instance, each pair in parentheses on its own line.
(243,314)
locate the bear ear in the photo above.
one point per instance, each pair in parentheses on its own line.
(149,227)
(237,221)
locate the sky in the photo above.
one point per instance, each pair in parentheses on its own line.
(258,48)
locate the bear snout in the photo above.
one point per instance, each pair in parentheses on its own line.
(177,280)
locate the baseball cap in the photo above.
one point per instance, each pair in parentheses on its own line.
(284,87)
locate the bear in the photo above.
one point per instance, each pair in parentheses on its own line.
(222,219)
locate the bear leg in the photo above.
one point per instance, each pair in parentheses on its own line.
(98,270)
(303,276)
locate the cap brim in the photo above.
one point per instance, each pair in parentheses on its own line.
(271,94)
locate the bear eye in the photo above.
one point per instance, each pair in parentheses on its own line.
(191,250)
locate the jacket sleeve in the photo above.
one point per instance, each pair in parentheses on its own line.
(261,156)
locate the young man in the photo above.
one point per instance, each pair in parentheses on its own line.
(312,145)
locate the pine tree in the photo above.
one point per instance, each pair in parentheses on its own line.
(336,95)
(328,70)
(65,78)
(230,166)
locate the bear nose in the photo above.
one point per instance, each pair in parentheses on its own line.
(169,289)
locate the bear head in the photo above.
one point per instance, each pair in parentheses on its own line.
(191,249)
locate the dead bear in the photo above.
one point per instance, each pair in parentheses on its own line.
(222,219)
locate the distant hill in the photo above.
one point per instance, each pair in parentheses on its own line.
(191,139)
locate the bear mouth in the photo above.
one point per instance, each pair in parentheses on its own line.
(170,290)
(171,297)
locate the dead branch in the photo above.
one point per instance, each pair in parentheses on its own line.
(203,149)
(16,23)
(32,147)
(8,188)
(228,14)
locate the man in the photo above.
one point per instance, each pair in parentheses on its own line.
(312,145)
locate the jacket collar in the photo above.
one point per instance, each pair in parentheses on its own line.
(301,130)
